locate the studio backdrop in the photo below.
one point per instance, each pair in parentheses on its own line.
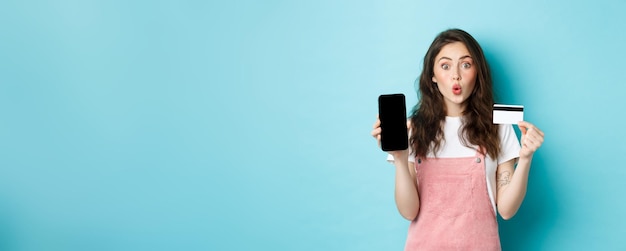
(245,125)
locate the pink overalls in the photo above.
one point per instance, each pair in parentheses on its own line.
(455,210)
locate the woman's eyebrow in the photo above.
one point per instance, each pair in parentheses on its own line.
(461,58)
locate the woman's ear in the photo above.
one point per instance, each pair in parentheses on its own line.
(434,79)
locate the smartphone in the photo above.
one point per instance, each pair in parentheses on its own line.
(392,115)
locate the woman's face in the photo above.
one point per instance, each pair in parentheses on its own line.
(455,76)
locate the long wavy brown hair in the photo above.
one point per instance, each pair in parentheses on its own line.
(428,116)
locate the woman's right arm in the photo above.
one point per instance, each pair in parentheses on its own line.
(407,198)
(406,195)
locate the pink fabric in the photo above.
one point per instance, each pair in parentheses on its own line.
(455,210)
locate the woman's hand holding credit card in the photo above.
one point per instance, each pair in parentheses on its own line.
(532,137)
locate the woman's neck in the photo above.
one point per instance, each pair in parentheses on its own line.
(455,110)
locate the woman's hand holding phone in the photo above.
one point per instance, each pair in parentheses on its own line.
(376,133)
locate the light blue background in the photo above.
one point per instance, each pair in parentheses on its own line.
(244,125)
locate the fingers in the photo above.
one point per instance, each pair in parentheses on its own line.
(532,143)
(376,127)
(377,123)
(525,127)
(532,137)
(376,130)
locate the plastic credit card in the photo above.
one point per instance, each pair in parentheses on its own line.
(507,114)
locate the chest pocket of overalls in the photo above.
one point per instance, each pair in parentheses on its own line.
(447,195)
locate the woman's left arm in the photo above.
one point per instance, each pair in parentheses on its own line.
(511,182)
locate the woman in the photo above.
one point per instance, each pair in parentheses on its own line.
(460,167)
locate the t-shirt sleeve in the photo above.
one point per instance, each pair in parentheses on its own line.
(411,157)
(510,146)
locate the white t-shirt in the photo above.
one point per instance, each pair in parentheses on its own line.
(453,148)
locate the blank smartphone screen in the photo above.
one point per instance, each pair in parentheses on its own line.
(392,114)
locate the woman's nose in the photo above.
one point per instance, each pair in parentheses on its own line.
(456,76)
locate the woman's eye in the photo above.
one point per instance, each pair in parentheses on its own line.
(445,66)
(467,65)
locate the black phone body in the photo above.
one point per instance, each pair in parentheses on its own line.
(392,115)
